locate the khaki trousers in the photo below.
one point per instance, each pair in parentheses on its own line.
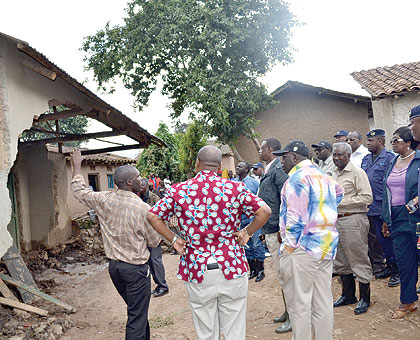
(307,290)
(273,246)
(219,304)
(352,251)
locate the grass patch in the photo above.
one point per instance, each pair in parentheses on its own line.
(158,321)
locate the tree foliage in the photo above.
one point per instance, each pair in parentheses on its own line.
(209,54)
(75,125)
(189,145)
(161,161)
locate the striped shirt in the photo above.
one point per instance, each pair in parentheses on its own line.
(122,217)
(308,211)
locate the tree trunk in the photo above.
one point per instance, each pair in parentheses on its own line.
(255,140)
(236,154)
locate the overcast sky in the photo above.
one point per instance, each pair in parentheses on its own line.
(337,38)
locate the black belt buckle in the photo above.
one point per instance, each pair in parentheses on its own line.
(212,266)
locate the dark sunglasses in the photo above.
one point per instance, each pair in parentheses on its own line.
(395,140)
(350,139)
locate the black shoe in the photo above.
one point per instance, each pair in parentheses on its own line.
(344,301)
(284,328)
(260,276)
(387,272)
(348,296)
(361,307)
(364,302)
(394,281)
(154,290)
(160,292)
(252,269)
(280,319)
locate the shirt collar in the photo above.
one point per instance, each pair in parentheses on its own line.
(205,173)
(267,167)
(125,193)
(349,167)
(300,165)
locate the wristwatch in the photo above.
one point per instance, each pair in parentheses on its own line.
(174,239)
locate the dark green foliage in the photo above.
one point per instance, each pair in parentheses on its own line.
(161,161)
(189,145)
(208,53)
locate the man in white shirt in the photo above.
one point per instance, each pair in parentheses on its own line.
(323,151)
(359,151)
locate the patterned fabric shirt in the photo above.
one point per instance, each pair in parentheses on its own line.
(308,211)
(122,217)
(209,210)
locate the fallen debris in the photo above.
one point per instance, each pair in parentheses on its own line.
(37,292)
(23,306)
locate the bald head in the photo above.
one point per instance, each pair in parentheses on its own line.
(209,157)
(123,173)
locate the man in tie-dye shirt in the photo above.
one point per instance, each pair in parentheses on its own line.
(308,213)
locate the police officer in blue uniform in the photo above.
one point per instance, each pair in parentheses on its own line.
(375,164)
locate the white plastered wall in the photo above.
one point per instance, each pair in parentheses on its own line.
(392,112)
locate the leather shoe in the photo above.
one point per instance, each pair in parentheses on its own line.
(160,292)
(361,307)
(260,276)
(344,301)
(383,274)
(394,281)
(284,328)
(280,319)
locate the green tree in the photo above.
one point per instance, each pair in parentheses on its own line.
(75,125)
(189,145)
(209,54)
(161,161)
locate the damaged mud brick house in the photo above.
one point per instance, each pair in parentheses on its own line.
(34,182)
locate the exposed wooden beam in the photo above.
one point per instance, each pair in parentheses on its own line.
(111,149)
(42,130)
(70,138)
(58,115)
(23,306)
(36,67)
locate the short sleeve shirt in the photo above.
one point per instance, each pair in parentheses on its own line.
(209,211)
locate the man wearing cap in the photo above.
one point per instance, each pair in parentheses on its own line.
(308,213)
(358,149)
(375,164)
(323,152)
(257,171)
(341,135)
(353,227)
(271,184)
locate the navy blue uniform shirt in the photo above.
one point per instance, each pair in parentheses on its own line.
(375,170)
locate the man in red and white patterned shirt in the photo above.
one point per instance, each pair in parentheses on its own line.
(213,262)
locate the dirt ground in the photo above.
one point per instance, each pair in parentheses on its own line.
(101,312)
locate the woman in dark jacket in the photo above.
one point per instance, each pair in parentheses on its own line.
(400,187)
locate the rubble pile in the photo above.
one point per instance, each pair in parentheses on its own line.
(85,247)
(24,326)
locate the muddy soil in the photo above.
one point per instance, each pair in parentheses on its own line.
(102,314)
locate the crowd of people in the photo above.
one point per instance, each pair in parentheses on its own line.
(338,209)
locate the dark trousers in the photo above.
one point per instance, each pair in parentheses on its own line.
(375,252)
(133,284)
(385,242)
(157,269)
(404,240)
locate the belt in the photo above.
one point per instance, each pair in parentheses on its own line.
(347,214)
(212,266)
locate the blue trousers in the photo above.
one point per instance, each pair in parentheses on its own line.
(404,239)
(385,242)
(256,249)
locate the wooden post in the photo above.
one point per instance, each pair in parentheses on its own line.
(39,69)
(23,306)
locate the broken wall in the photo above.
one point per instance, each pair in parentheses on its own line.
(23,94)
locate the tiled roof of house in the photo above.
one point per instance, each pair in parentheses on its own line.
(106,158)
(224,148)
(389,80)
